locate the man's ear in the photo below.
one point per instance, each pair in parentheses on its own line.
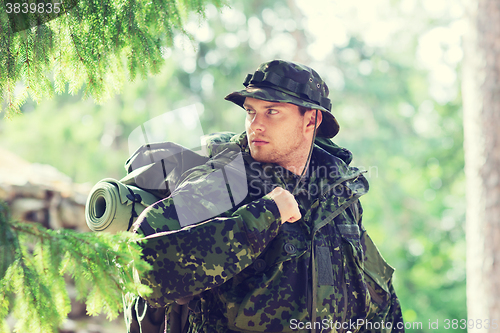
(311,116)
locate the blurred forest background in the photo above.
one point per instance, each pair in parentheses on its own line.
(393,68)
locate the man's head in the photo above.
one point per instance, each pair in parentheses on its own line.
(281,99)
(279,133)
(289,82)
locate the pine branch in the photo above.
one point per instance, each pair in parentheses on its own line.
(86,45)
(35,261)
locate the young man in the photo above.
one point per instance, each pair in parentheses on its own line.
(293,254)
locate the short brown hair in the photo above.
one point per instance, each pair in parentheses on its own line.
(303,109)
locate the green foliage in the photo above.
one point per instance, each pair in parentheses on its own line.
(40,261)
(410,143)
(95,44)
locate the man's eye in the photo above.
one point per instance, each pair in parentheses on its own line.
(250,111)
(273,111)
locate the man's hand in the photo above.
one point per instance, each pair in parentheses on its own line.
(289,209)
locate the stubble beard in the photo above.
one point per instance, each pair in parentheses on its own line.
(284,156)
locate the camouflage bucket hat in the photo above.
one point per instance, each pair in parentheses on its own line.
(288,82)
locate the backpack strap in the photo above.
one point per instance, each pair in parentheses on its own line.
(354,208)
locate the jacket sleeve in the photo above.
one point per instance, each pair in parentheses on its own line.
(201,256)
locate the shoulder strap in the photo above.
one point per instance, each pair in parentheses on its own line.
(355,211)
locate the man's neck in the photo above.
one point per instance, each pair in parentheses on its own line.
(298,167)
(298,162)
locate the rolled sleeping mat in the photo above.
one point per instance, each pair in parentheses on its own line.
(112,206)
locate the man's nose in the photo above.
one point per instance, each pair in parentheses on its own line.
(256,123)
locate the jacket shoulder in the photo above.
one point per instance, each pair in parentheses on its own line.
(214,143)
(334,149)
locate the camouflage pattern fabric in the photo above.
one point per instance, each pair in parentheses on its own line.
(250,273)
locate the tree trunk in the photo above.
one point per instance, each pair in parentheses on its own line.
(481,106)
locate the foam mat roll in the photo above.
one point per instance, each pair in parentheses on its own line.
(110,205)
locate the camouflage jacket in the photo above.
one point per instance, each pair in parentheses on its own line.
(250,273)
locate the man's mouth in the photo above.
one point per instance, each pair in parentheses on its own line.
(258,142)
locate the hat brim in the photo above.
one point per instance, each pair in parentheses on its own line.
(329,126)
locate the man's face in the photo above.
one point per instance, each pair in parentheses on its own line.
(275,131)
